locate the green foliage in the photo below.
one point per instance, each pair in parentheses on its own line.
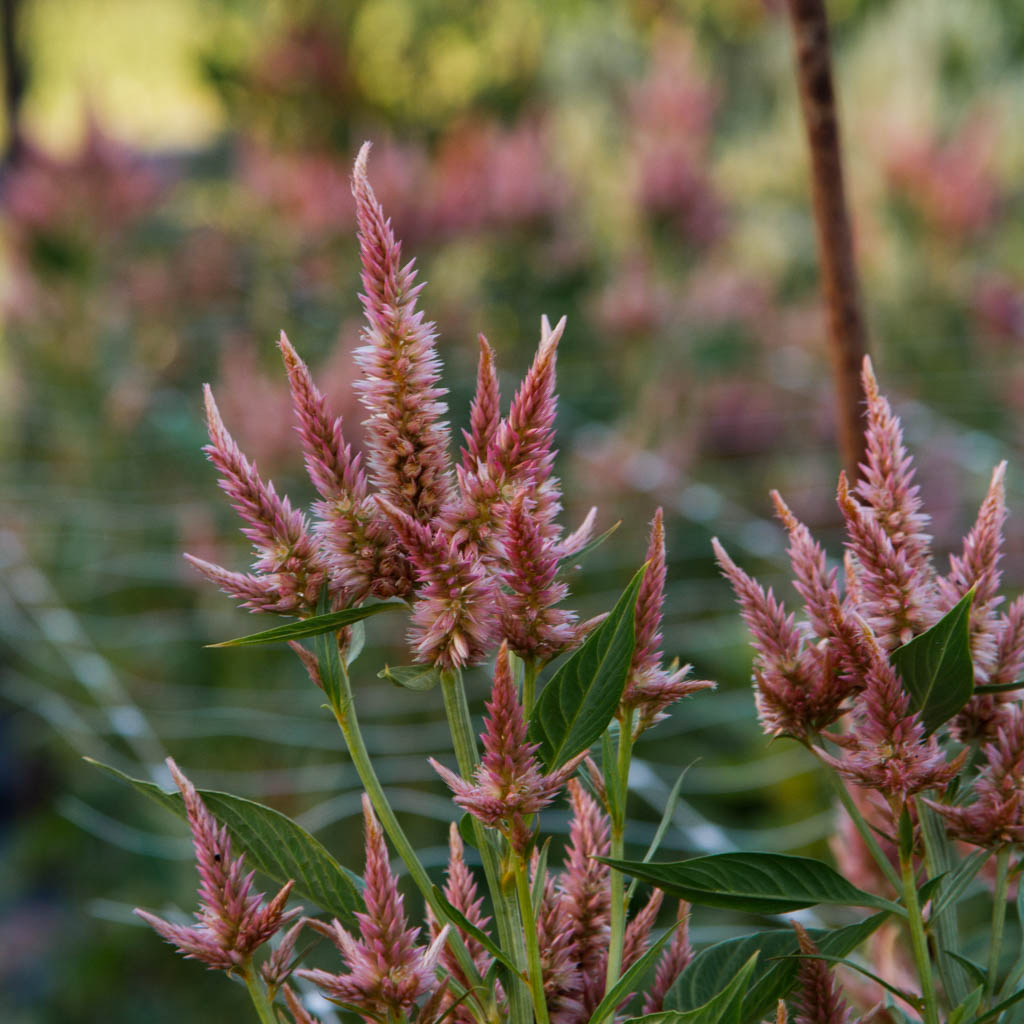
(724,1008)
(329,622)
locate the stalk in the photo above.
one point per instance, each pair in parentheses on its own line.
(540,1004)
(343,706)
(616,882)
(258,994)
(506,917)
(866,833)
(998,919)
(530,671)
(918,940)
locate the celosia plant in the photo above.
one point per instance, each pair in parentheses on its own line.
(901,682)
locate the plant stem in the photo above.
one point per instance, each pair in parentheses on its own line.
(998,919)
(506,916)
(918,940)
(847,333)
(866,833)
(343,706)
(258,994)
(540,1003)
(616,883)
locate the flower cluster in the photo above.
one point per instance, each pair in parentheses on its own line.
(836,662)
(456,541)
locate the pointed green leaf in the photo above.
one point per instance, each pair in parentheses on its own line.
(420,678)
(955,882)
(272,843)
(724,1008)
(313,626)
(712,967)
(936,668)
(978,974)
(968,1008)
(759,883)
(570,560)
(580,699)
(1000,687)
(1000,1008)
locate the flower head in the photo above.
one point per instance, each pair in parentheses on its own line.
(232,919)
(819,999)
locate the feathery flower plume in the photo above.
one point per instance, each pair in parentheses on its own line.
(485,411)
(360,548)
(649,687)
(387,972)
(288,558)
(787,672)
(535,629)
(585,894)
(277,968)
(672,963)
(819,999)
(452,623)
(508,786)
(558,959)
(638,931)
(232,919)
(299,1013)
(406,434)
(997,814)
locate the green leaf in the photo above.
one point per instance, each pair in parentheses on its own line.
(622,988)
(471,929)
(999,687)
(712,967)
(272,843)
(968,1008)
(724,1008)
(420,678)
(759,883)
(956,881)
(570,560)
(580,699)
(936,668)
(313,626)
(1000,1008)
(978,974)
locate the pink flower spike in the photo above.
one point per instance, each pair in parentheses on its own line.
(819,1000)
(534,628)
(887,485)
(406,433)
(232,920)
(257,593)
(485,412)
(672,963)
(650,688)
(387,972)
(285,548)
(580,537)
(508,786)
(452,622)
(978,566)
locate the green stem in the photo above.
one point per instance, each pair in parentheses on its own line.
(258,994)
(998,919)
(530,672)
(343,706)
(918,940)
(536,975)
(616,882)
(863,827)
(507,918)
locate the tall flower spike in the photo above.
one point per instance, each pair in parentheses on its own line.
(887,484)
(387,971)
(638,931)
(673,962)
(585,894)
(787,674)
(558,957)
(232,920)
(978,566)
(359,545)
(534,628)
(406,433)
(287,554)
(508,786)
(452,622)
(649,687)
(485,412)
(819,999)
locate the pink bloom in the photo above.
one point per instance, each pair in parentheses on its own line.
(508,787)
(672,963)
(406,434)
(452,621)
(387,972)
(649,688)
(232,920)
(558,956)
(819,999)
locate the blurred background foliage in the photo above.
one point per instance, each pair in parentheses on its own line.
(175,191)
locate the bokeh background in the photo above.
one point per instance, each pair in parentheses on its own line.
(175,191)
